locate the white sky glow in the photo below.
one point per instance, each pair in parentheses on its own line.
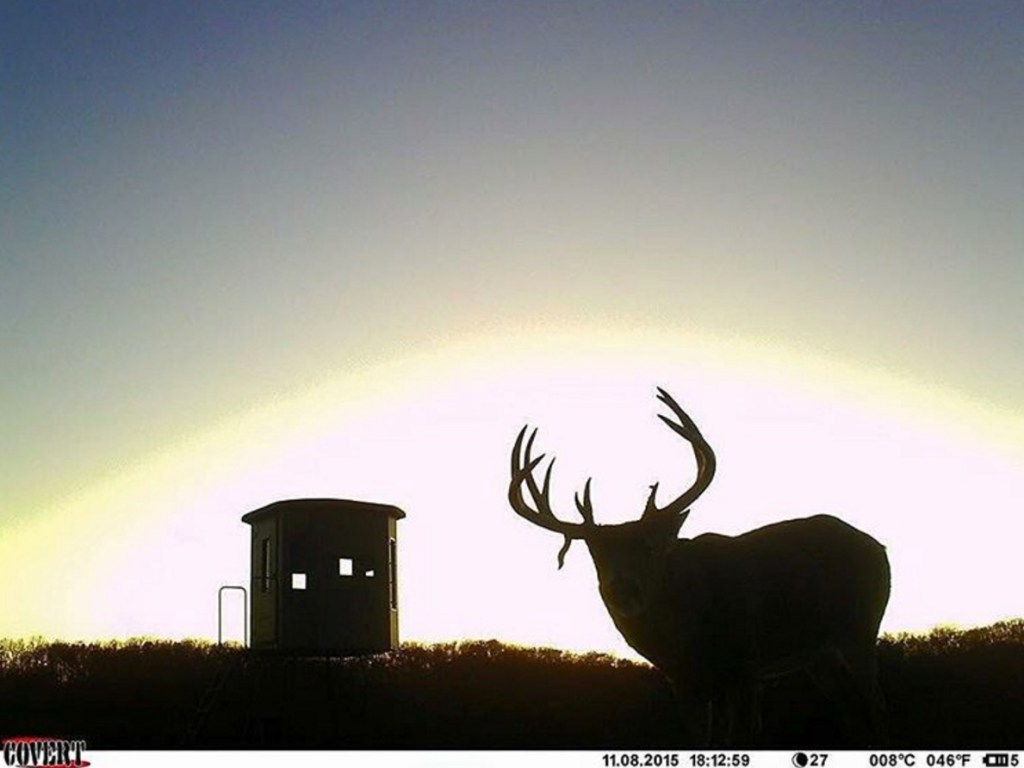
(433,435)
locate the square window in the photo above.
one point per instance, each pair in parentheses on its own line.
(298,581)
(345,566)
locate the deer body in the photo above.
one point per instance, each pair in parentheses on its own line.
(727,611)
(721,615)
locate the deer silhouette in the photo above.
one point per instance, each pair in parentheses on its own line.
(721,616)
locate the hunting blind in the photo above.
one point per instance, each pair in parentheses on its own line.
(324,576)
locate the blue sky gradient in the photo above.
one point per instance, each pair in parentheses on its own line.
(207,207)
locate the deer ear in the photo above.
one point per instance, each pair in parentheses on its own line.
(562,551)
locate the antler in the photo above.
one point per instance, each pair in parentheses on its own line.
(701,451)
(540,514)
(523,465)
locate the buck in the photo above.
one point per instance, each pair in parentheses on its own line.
(721,616)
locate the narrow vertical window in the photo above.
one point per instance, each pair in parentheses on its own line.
(393,573)
(265,560)
(345,566)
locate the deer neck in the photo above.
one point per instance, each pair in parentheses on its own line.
(646,629)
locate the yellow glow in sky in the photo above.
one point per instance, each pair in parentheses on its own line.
(931,476)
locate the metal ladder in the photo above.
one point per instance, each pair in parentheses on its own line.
(216,687)
(210,698)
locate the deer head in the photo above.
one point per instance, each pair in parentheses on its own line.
(629,557)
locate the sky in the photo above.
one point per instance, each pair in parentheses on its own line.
(252,251)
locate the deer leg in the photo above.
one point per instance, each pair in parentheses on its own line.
(740,713)
(838,681)
(723,718)
(863,664)
(695,716)
(757,723)
(748,717)
(718,718)
(713,716)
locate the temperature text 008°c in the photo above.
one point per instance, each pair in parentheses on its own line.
(892,760)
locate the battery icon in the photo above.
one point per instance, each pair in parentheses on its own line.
(996,759)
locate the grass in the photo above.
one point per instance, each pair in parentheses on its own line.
(948,689)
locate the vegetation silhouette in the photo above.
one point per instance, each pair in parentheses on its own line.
(948,689)
(723,616)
